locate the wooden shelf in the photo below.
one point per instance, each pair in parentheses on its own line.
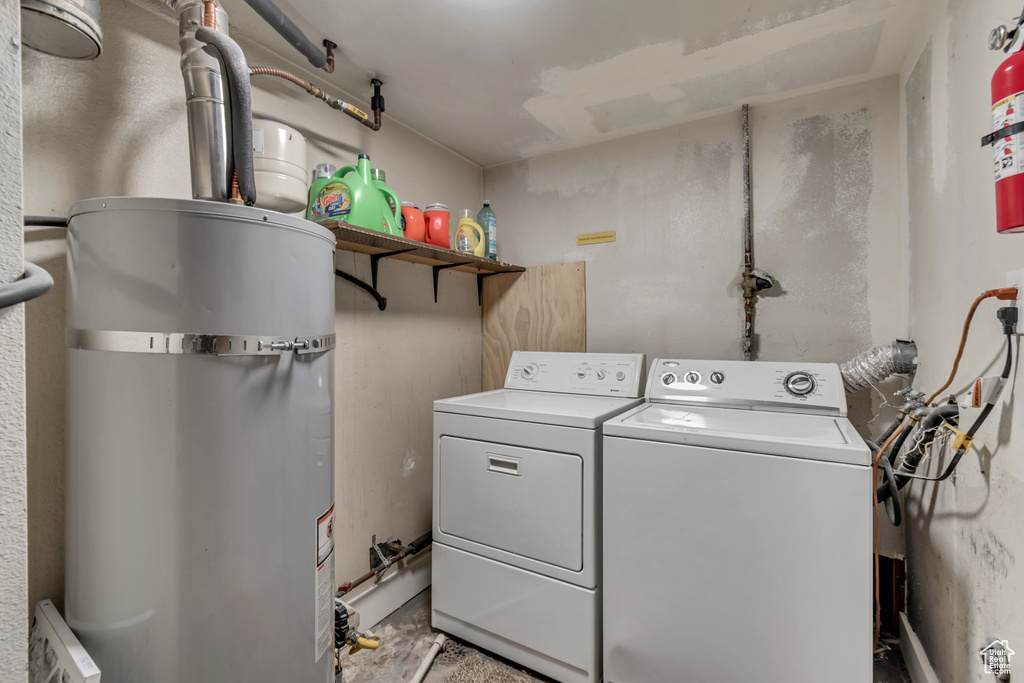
(378,245)
(352,238)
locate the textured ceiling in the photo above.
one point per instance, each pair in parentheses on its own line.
(501,80)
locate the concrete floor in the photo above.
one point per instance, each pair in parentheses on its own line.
(406,637)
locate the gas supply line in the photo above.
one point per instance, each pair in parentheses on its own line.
(376,102)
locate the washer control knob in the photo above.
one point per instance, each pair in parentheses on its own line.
(800,383)
(601,374)
(581,373)
(668,379)
(717,377)
(620,375)
(692,377)
(530,371)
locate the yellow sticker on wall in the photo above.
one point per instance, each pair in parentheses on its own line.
(595,238)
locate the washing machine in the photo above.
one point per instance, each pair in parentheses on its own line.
(737,529)
(517,510)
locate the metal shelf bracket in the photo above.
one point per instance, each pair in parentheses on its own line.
(375,259)
(438,269)
(480,287)
(382,302)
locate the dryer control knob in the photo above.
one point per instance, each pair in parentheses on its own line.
(529,371)
(800,384)
(717,377)
(693,377)
(668,379)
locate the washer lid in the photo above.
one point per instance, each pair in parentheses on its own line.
(814,437)
(565,410)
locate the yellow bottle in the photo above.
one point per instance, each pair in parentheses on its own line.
(469,236)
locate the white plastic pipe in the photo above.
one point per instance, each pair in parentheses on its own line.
(429,659)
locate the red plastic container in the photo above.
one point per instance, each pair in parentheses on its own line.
(438,220)
(413,222)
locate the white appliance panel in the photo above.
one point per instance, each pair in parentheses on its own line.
(776,386)
(547,625)
(520,500)
(772,578)
(599,374)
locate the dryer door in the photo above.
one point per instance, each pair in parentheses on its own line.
(521,500)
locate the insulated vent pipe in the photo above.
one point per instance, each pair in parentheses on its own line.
(879,363)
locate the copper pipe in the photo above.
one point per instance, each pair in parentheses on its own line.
(329,46)
(209,14)
(236,193)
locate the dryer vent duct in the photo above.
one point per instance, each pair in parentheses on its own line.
(879,363)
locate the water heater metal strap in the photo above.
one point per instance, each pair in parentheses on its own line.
(184,343)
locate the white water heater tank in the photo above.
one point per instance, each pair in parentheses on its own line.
(200,471)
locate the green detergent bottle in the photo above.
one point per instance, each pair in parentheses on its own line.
(380,180)
(351,196)
(369,206)
(321,175)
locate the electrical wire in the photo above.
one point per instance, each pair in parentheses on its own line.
(1005,294)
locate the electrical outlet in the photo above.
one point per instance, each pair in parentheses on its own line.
(1015,278)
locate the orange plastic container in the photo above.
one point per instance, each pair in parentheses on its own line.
(438,220)
(413,222)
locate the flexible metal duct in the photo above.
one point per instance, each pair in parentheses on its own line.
(879,363)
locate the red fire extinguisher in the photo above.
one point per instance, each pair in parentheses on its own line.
(1007,138)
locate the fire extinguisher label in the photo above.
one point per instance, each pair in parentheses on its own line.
(1006,156)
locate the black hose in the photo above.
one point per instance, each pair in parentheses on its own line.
(280,22)
(897,446)
(925,433)
(893,507)
(237,71)
(35,283)
(420,543)
(892,428)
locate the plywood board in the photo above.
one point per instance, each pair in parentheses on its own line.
(543,309)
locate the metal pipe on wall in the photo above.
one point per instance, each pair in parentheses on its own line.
(748,243)
(754,280)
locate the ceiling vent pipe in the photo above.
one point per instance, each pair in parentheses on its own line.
(874,365)
(63,28)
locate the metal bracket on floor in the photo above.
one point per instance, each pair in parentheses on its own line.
(480,287)
(375,259)
(438,269)
(382,303)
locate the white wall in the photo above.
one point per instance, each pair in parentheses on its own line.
(13,526)
(965,538)
(116,126)
(826,201)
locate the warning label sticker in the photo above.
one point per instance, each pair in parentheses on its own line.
(1007,151)
(324,582)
